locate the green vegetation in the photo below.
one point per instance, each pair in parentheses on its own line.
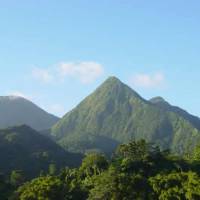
(15,111)
(43,188)
(115,114)
(183,185)
(22,148)
(137,170)
(109,128)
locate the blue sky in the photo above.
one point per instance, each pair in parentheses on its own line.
(56,52)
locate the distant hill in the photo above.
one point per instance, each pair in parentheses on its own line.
(22,148)
(16,110)
(115,113)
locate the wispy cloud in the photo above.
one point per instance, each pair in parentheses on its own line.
(86,72)
(43,75)
(154,80)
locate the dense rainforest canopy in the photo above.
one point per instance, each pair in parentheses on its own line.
(137,170)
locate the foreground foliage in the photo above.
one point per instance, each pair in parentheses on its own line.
(137,170)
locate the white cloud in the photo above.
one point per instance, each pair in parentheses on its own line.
(155,80)
(43,75)
(86,72)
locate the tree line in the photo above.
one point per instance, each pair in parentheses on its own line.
(137,170)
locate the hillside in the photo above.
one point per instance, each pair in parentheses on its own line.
(115,113)
(16,110)
(22,148)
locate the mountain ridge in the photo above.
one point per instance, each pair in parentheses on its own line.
(23,148)
(118,113)
(16,110)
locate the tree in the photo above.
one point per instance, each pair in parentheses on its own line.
(93,164)
(5,188)
(114,185)
(138,170)
(183,185)
(138,150)
(52,169)
(74,183)
(138,156)
(17,178)
(42,188)
(196,153)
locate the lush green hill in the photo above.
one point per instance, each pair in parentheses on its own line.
(162,104)
(17,111)
(22,148)
(118,114)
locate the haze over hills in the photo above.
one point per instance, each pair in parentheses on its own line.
(115,113)
(16,110)
(22,148)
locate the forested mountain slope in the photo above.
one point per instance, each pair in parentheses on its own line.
(115,113)
(22,148)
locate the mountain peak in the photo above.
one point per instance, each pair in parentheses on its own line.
(113,80)
(115,113)
(16,110)
(116,88)
(158,99)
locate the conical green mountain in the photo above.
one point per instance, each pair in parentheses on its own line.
(115,113)
(23,148)
(15,111)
